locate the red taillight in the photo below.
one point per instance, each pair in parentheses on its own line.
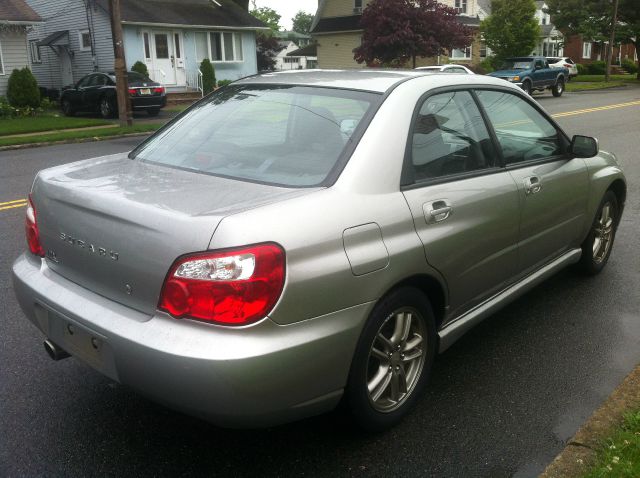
(158,90)
(567,65)
(132,91)
(233,287)
(31,230)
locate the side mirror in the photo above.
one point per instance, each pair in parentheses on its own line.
(584,146)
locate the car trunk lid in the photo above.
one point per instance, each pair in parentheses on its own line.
(115,225)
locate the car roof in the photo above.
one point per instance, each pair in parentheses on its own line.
(379,81)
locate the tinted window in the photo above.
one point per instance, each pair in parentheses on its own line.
(84,82)
(133,76)
(292,136)
(449,137)
(523,133)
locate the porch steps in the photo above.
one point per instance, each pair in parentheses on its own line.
(618,70)
(182,98)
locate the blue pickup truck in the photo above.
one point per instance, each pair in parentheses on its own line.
(533,73)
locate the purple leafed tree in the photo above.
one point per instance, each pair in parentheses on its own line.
(398,30)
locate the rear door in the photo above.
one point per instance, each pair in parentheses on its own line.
(464,204)
(552,186)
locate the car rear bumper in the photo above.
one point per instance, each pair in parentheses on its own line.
(254,376)
(148,102)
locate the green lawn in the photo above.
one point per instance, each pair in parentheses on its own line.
(580,78)
(620,454)
(593,85)
(34,124)
(71,135)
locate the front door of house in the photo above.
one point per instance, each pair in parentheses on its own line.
(164,58)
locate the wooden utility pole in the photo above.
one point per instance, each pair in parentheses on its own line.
(122,89)
(612,40)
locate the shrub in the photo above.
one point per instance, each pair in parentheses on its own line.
(488,64)
(597,68)
(141,68)
(208,76)
(582,70)
(6,110)
(22,89)
(222,83)
(630,66)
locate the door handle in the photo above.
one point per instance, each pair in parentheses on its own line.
(532,185)
(437,211)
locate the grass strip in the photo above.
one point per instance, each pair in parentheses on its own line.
(34,124)
(619,455)
(591,78)
(72,135)
(594,85)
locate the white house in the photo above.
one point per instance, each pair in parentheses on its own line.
(15,18)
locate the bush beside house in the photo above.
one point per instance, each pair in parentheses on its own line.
(141,68)
(22,89)
(208,76)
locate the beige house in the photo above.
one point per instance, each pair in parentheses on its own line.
(337,31)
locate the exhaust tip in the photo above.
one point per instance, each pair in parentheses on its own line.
(55,351)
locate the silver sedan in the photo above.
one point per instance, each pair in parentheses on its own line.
(302,238)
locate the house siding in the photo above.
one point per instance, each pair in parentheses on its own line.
(340,8)
(71,16)
(13,44)
(336,50)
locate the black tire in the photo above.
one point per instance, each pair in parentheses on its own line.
(596,248)
(558,88)
(67,108)
(107,108)
(526,87)
(153,111)
(405,377)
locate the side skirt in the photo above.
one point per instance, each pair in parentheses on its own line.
(455,329)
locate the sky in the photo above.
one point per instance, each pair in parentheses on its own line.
(288,8)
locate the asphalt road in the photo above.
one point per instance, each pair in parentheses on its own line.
(502,401)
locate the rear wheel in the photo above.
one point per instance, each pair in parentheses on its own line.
(67,108)
(393,360)
(558,88)
(596,248)
(106,108)
(526,87)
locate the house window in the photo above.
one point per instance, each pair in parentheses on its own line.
(147,46)
(483,50)
(289,59)
(219,46)
(34,51)
(461,6)
(463,54)
(586,49)
(357,6)
(177,44)
(84,37)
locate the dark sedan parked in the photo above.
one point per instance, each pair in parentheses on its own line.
(97,92)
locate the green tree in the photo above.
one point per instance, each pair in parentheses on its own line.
(268,16)
(302,22)
(511,29)
(208,76)
(22,89)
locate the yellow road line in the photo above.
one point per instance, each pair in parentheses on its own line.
(13,206)
(598,108)
(12,202)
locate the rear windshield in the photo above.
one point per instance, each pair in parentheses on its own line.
(284,135)
(516,64)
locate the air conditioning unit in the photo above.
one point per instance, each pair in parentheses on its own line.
(357,10)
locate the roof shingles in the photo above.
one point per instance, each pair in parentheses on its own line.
(17,11)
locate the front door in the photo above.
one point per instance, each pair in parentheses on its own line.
(66,68)
(164,60)
(464,204)
(553,188)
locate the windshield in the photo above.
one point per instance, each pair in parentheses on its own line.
(517,64)
(283,135)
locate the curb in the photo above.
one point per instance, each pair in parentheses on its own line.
(72,141)
(580,451)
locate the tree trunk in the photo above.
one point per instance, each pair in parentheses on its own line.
(414,62)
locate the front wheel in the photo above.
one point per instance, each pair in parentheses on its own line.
(526,87)
(596,248)
(393,360)
(558,88)
(67,108)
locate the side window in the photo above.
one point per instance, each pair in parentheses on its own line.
(83,83)
(539,64)
(523,133)
(449,137)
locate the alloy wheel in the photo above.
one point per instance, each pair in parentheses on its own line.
(603,233)
(396,358)
(105,108)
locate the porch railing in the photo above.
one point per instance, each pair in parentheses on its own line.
(158,75)
(194,80)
